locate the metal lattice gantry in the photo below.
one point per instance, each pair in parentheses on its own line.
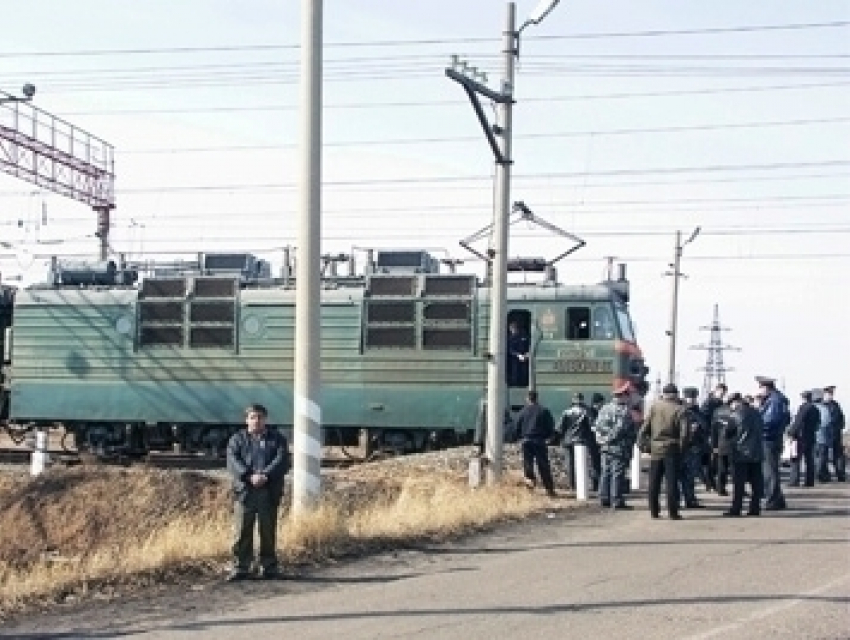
(715,368)
(53,154)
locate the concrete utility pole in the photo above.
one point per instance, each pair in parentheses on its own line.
(496,383)
(307,419)
(499,138)
(674,307)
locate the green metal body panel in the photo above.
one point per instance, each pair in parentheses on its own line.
(76,357)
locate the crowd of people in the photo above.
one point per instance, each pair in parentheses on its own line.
(726,437)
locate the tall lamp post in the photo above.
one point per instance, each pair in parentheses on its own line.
(674,311)
(499,138)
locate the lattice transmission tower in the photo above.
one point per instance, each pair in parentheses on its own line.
(715,368)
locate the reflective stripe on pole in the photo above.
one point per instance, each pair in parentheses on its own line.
(307,418)
(582,479)
(634,473)
(39,459)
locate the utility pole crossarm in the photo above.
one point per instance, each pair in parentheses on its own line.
(53,154)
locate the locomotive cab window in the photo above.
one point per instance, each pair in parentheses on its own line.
(603,324)
(578,323)
(518,349)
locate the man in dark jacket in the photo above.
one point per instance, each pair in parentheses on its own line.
(802,434)
(575,428)
(664,429)
(615,433)
(775,414)
(536,426)
(746,437)
(837,423)
(258,460)
(596,404)
(716,400)
(697,443)
(722,425)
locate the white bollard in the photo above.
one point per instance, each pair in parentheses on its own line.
(635,470)
(39,458)
(582,479)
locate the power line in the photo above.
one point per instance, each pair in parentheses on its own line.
(370,182)
(652,33)
(527,136)
(454,103)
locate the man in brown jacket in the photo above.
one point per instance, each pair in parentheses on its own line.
(664,429)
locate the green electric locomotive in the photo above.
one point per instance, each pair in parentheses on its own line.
(171,362)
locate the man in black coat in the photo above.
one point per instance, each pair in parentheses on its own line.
(536,426)
(711,460)
(802,432)
(258,461)
(746,438)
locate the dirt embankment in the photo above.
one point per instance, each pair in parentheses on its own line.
(73,512)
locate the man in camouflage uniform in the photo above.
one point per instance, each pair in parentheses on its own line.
(615,433)
(697,443)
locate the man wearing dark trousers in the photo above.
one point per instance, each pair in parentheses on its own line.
(746,437)
(802,433)
(536,426)
(664,429)
(776,416)
(836,415)
(258,460)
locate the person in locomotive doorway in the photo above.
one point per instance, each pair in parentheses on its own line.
(258,461)
(776,415)
(615,432)
(802,433)
(574,428)
(697,443)
(597,401)
(536,426)
(836,415)
(517,355)
(745,433)
(664,430)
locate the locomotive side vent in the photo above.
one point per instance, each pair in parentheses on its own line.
(166,336)
(163,288)
(447,311)
(210,337)
(222,311)
(446,338)
(392,286)
(401,311)
(391,337)
(449,285)
(215,287)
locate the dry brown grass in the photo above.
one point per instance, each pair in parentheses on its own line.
(185,528)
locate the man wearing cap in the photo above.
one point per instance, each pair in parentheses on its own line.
(836,416)
(615,433)
(776,417)
(697,442)
(665,429)
(575,428)
(745,432)
(802,433)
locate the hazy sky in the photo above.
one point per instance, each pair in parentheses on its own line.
(633,119)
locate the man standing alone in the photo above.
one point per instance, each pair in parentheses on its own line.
(665,428)
(258,460)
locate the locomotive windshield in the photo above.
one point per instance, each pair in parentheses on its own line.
(625,323)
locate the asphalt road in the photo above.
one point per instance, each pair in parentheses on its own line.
(590,574)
